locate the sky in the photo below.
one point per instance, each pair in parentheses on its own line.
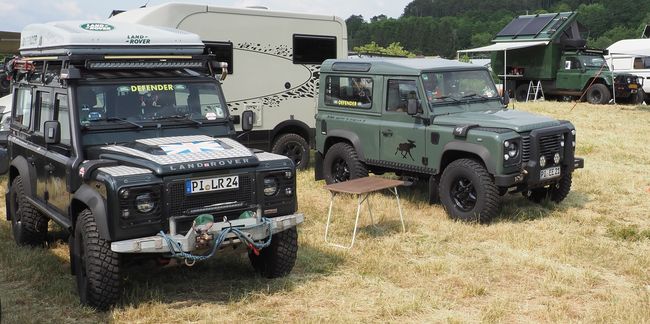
(14,15)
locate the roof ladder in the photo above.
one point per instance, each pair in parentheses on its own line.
(535,90)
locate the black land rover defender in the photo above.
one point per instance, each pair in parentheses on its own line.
(132,154)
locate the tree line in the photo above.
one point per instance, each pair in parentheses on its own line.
(441,27)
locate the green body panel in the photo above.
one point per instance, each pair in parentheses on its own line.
(537,62)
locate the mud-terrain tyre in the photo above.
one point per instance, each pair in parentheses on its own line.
(28,225)
(521,93)
(598,94)
(96,267)
(468,192)
(342,163)
(277,259)
(294,147)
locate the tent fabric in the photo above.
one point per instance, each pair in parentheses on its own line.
(504,46)
(631,47)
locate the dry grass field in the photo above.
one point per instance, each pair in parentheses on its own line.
(585,260)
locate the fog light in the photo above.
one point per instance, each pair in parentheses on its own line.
(556,158)
(542,161)
(288,174)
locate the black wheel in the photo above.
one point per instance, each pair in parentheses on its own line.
(341,163)
(96,267)
(434,192)
(28,225)
(468,192)
(521,93)
(294,147)
(277,259)
(598,94)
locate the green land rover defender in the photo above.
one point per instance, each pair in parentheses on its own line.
(442,121)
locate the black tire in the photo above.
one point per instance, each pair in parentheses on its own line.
(521,93)
(342,163)
(277,259)
(598,94)
(434,191)
(468,192)
(561,189)
(294,147)
(96,267)
(28,225)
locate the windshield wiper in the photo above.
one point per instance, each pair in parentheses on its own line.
(475,95)
(179,117)
(124,121)
(444,98)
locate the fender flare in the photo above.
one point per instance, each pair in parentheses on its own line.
(89,197)
(24,170)
(352,137)
(472,148)
(292,123)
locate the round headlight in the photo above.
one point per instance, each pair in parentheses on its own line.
(542,161)
(556,158)
(145,203)
(270,186)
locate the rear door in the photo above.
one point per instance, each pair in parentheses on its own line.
(59,162)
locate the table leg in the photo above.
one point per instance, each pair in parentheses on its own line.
(356,222)
(399,207)
(329,215)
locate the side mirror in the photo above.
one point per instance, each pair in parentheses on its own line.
(505,100)
(248,119)
(52,130)
(412,107)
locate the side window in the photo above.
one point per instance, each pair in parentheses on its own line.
(646,62)
(638,63)
(399,92)
(63,116)
(312,49)
(23,108)
(44,106)
(350,92)
(223,52)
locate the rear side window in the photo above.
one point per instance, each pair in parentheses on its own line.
(349,92)
(44,104)
(312,49)
(63,116)
(23,107)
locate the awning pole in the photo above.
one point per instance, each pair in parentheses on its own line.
(505,74)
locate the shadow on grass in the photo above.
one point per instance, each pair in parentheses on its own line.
(227,278)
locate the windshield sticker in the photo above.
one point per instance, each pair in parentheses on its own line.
(192,147)
(350,103)
(152,87)
(97,27)
(210,116)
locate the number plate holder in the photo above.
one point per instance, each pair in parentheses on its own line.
(195,186)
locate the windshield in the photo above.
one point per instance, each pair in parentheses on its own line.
(140,102)
(453,85)
(593,61)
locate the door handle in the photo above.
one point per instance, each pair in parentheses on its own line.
(387,132)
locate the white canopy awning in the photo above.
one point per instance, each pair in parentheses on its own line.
(505,46)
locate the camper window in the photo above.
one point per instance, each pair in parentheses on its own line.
(312,49)
(222,51)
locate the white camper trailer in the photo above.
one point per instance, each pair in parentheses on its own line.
(274,60)
(632,56)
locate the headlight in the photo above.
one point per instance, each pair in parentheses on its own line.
(511,149)
(145,202)
(270,186)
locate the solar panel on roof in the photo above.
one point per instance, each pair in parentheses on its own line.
(536,25)
(515,26)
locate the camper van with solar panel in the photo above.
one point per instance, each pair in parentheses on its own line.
(546,54)
(273,60)
(121,135)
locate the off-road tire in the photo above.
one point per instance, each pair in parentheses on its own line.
(29,226)
(598,94)
(468,176)
(521,93)
(294,147)
(277,259)
(561,189)
(342,163)
(97,268)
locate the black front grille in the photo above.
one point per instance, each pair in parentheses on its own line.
(549,145)
(525,149)
(180,204)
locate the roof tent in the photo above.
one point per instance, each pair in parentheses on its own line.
(99,37)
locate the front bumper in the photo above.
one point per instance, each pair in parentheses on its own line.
(251,227)
(521,178)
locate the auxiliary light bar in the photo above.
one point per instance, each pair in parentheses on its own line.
(163,64)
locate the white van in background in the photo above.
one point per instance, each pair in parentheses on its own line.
(274,60)
(632,56)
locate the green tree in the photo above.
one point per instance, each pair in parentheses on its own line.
(393,49)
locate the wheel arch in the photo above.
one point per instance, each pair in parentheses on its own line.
(342,135)
(87,198)
(292,126)
(459,150)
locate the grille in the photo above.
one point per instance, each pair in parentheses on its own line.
(179,203)
(549,145)
(525,149)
